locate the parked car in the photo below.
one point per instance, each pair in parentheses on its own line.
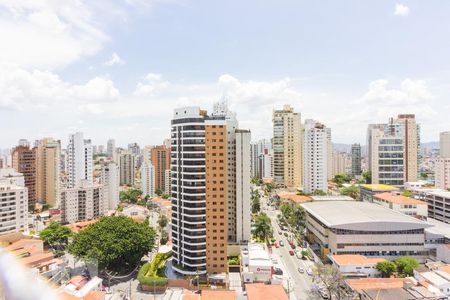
(291,253)
(324,294)
(298,254)
(285,234)
(309,271)
(281,243)
(277,245)
(292,246)
(280,233)
(301,270)
(278,271)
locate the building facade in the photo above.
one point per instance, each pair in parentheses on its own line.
(160,159)
(87,201)
(111,149)
(127,168)
(287,147)
(147,179)
(444,144)
(257,149)
(79,160)
(317,138)
(110,179)
(24,162)
(14,202)
(356,160)
(48,171)
(341,163)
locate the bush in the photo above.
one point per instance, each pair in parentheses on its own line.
(153,273)
(234,260)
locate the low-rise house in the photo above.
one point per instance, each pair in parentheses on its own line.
(135,210)
(79,288)
(293,197)
(354,265)
(258,291)
(367,191)
(439,277)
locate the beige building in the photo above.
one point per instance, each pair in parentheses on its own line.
(444,144)
(127,168)
(342,163)
(287,147)
(394,151)
(48,171)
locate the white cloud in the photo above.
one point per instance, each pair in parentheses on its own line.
(152,85)
(47,34)
(401,10)
(114,60)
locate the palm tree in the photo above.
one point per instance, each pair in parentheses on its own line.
(263,227)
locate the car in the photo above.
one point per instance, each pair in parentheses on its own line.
(301,270)
(291,253)
(324,294)
(298,253)
(280,233)
(309,271)
(278,271)
(277,245)
(292,246)
(285,234)
(281,243)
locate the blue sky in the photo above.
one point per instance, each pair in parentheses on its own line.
(117,69)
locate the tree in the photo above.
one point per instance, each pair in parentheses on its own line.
(367,177)
(130,196)
(423,175)
(158,192)
(164,237)
(256,181)
(406,266)
(407,193)
(319,192)
(162,221)
(262,227)
(386,268)
(117,243)
(255,201)
(55,235)
(330,279)
(165,195)
(352,191)
(340,179)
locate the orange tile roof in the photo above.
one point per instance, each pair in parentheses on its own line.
(445,269)
(95,295)
(37,259)
(258,291)
(22,243)
(294,197)
(355,259)
(217,294)
(77,227)
(398,199)
(376,283)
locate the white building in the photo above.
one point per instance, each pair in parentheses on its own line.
(405,205)
(355,265)
(79,160)
(256,263)
(266,164)
(111,149)
(243,209)
(317,139)
(438,202)
(444,144)
(13,202)
(85,202)
(438,278)
(442,172)
(257,149)
(147,179)
(355,227)
(110,179)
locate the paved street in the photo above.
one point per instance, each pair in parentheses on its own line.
(299,282)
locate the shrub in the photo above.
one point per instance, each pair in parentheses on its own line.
(153,273)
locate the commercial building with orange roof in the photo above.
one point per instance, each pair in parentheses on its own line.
(258,291)
(405,205)
(358,285)
(355,265)
(294,197)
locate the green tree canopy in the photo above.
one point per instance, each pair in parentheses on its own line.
(386,268)
(255,201)
(130,196)
(331,279)
(406,266)
(367,177)
(162,221)
(117,243)
(262,227)
(352,191)
(340,179)
(55,235)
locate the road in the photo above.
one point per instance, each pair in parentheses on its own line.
(299,282)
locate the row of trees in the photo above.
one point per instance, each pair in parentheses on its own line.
(402,267)
(262,228)
(293,215)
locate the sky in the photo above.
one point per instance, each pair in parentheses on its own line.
(117,69)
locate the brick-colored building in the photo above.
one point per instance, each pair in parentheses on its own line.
(160,156)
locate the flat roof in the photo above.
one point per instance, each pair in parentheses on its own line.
(338,214)
(398,199)
(332,198)
(376,283)
(440,193)
(379,187)
(438,227)
(258,291)
(354,259)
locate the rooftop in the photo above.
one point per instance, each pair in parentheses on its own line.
(439,227)
(398,199)
(294,197)
(379,187)
(76,227)
(331,214)
(216,295)
(354,259)
(258,291)
(332,198)
(376,283)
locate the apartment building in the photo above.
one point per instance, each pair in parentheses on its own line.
(316,152)
(442,172)
(111,149)
(127,168)
(356,160)
(148,179)
(341,163)
(394,151)
(405,205)
(14,202)
(160,159)
(110,179)
(365,228)
(257,149)
(444,144)
(210,183)
(438,202)
(24,162)
(266,164)
(48,171)
(79,160)
(86,201)
(287,147)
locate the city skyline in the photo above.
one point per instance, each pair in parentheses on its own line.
(121,74)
